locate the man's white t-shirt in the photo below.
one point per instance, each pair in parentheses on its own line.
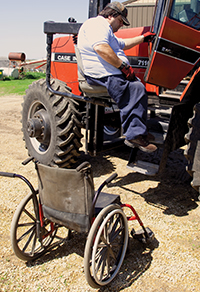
(96,31)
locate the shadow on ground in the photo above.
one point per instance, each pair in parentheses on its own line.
(138,259)
(173,194)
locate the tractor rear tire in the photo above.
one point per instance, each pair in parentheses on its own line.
(51,124)
(192,152)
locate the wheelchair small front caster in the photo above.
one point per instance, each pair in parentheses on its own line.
(145,235)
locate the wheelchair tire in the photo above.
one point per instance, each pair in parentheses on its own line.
(106,246)
(24,238)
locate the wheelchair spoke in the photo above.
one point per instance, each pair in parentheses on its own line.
(34,244)
(29,240)
(116,234)
(102,270)
(29,215)
(100,259)
(32,229)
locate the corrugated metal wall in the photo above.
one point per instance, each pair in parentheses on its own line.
(140,13)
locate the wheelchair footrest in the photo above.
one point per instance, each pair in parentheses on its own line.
(143,236)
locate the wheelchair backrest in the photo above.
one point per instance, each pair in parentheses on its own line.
(66,190)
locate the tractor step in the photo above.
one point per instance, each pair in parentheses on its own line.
(172,96)
(143,167)
(159,138)
(169,96)
(173,93)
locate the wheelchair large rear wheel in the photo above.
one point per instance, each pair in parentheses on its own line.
(106,246)
(25,242)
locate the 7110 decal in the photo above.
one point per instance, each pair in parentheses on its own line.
(138,62)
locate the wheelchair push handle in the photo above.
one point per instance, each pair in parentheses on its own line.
(7,174)
(15,175)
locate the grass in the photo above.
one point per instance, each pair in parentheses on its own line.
(18,86)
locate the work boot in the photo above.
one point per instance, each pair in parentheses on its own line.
(142,143)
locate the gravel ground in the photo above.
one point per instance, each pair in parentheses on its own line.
(166,203)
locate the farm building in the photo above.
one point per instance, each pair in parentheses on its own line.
(140,13)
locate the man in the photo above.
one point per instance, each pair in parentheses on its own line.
(105,63)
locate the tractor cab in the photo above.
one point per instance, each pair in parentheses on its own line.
(176,49)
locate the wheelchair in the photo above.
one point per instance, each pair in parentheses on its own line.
(66,198)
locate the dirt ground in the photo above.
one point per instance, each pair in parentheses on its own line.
(166,203)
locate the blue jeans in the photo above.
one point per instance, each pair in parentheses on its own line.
(132,100)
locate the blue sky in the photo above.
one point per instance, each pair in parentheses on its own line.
(21,23)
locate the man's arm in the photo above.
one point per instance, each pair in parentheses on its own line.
(131,42)
(107,53)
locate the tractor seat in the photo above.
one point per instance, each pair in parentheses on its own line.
(88,90)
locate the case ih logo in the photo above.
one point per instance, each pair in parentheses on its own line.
(64,57)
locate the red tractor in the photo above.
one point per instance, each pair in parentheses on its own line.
(56,110)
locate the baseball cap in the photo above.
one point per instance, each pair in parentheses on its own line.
(121,9)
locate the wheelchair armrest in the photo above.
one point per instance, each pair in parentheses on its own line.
(108,180)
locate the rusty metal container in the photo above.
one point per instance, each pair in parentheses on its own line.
(17,57)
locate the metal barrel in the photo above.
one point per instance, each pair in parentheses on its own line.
(17,57)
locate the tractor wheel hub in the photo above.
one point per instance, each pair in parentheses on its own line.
(39,127)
